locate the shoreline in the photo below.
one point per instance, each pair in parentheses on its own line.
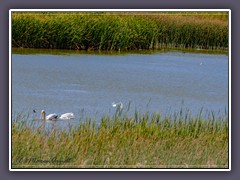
(104,52)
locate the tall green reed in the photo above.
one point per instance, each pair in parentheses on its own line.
(117,32)
(141,140)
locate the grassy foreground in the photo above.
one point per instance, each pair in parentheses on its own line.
(119,31)
(143,141)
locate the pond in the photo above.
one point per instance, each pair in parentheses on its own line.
(87,84)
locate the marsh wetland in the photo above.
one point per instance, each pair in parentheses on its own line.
(170,72)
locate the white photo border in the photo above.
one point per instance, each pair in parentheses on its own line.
(119,10)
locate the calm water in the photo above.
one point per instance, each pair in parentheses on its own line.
(88,84)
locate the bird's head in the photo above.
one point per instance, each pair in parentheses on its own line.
(42,113)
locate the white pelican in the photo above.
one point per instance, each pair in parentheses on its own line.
(67,116)
(118,105)
(53,116)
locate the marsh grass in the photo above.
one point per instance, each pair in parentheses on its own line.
(120,141)
(119,32)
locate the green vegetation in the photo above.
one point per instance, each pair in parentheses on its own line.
(120,141)
(115,31)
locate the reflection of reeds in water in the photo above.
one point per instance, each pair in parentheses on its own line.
(119,141)
(119,32)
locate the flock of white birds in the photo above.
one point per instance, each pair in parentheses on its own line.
(68,116)
(55,116)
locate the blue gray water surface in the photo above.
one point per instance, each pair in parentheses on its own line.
(88,84)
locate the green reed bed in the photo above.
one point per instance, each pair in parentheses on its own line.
(120,141)
(104,31)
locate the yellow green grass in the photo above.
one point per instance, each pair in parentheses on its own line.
(120,31)
(142,141)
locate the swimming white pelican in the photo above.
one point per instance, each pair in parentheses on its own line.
(53,116)
(118,105)
(67,116)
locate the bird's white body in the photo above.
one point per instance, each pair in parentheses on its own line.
(53,116)
(118,105)
(67,116)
